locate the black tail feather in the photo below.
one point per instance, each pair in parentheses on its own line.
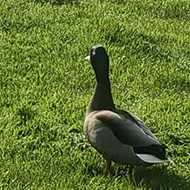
(157,150)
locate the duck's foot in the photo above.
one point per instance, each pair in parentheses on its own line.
(108,165)
(127,170)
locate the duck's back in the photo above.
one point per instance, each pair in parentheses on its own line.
(116,136)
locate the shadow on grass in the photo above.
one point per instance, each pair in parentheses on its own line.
(160,178)
(157,178)
(57,2)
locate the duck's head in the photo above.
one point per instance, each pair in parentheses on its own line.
(100,63)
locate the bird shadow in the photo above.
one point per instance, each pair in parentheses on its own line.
(159,178)
(155,177)
(152,177)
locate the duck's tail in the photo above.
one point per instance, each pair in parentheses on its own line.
(151,159)
(154,154)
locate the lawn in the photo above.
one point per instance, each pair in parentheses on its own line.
(45,87)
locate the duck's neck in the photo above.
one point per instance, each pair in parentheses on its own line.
(102,98)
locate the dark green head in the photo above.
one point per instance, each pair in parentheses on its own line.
(100,63)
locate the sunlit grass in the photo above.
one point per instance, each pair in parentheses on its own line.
(46,86)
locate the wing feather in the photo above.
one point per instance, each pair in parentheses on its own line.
(127,128)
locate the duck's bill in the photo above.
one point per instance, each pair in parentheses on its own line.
(87,58)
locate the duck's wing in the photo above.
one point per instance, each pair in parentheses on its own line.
(127,128)
(139,122)
(131,131)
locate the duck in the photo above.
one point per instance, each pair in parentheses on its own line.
(118,135)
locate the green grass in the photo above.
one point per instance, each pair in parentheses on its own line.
(45,86)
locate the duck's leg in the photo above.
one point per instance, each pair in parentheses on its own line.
(130,169)
(108,165)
